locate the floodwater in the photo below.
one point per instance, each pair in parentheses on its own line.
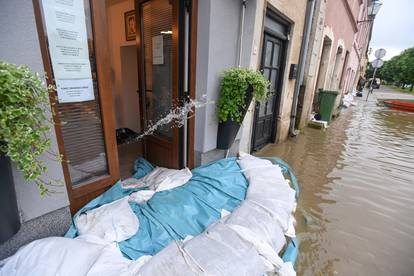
(356,209)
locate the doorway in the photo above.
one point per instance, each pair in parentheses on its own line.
(86,127)
(322,71)
(149,78)
(272,61)
(159,77)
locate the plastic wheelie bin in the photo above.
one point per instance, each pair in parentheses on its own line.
(327,101)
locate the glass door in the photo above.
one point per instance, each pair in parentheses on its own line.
(158,51)
(73,38)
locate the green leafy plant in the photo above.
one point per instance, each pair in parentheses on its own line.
(24,124)
(233,92)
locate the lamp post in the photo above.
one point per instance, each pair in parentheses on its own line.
(373,10)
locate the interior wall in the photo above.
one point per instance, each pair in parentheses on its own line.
(130,97)
(124,71)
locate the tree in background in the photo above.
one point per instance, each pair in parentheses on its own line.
(399,70)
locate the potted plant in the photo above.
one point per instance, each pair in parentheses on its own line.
(24,137)
(238,87)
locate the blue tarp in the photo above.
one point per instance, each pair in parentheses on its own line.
(185,210)
(174,214)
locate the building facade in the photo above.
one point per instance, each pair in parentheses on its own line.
(278,24)
(340,35)
(142,57)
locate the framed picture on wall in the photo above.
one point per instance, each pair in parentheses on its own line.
(130,26)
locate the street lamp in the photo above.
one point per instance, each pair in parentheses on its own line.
(373,10)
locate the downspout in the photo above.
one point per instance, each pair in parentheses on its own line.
(302,61)
(243,12)
(244,2)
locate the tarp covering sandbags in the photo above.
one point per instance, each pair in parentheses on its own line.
(174,214)
(230,218)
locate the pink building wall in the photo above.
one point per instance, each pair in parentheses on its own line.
(342,27)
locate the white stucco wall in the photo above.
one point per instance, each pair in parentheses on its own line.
(19,44)
(218,34)
(217,49)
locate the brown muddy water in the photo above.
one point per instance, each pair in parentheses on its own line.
(356,209)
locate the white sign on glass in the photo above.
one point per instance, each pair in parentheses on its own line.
(68,48)
(157,50)
(70,89)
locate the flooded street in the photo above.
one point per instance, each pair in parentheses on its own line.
(356,210)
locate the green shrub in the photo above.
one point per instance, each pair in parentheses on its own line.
(233,92)
(24,124)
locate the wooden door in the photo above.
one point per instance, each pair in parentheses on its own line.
(159,43)
(85,129)
(265,113)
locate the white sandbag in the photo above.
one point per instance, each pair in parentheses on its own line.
(160,179)
(276,210)
(220,251)
(173,180)
(52,256)
(271,259)
(63,256)
(142,196)
(171,261)
(131,183)
(260,222)
(291,232)
(269,190)
(287,270)
(253,167)
(111,222)
(111,262)
(281,194)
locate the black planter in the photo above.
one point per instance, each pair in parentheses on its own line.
(227,131)
(9,214)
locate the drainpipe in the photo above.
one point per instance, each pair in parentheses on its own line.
(302,61)
(244,2)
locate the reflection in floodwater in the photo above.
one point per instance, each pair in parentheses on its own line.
(356,211)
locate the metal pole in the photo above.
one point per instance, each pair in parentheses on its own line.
(241,33)
(186,77)
(302,62)
(370,86)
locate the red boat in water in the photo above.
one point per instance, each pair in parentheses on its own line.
(400,104)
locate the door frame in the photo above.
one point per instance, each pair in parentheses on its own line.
(180,7)
(80,195)
(279,87)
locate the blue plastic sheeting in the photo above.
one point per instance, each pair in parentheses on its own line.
(186,210)
(142,167)
(291,252)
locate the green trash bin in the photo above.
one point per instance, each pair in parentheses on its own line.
(327,101)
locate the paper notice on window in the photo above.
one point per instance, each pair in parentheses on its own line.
(75,90)
(157,50)
(67,37)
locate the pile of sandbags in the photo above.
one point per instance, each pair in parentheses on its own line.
(245,242)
